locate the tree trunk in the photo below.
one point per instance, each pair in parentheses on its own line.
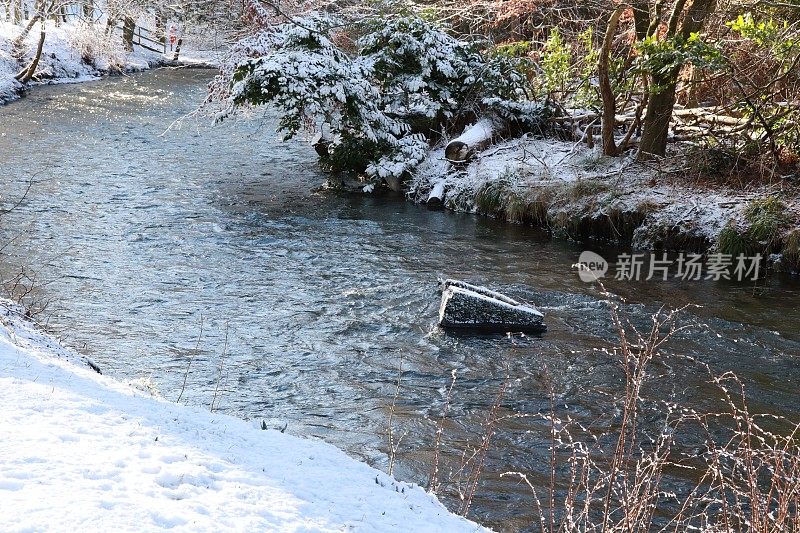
(474,139)
(159,30)
(18,46)
(436,196)
(25,75)
(128,27)
(177,49)
(608,122)
(641,18)
(659,107)
(657,118)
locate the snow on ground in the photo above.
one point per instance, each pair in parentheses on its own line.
(81,451)
(578,181)
(75,52)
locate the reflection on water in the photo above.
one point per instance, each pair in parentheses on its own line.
(144,234)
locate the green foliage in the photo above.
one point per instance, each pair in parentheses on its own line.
(556,65)
(767,34)
(777,45)
(663,56)
(418,68)
(365,104)
(516,54)
(514,49)
(586,95)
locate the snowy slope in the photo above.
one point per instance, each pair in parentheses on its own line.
(80,451)
(75,52)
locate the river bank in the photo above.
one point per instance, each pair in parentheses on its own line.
(133,461)
(313,299)
(575,192)
(74,53)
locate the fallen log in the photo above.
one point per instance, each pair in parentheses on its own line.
(471,307)
(436,196)
(474,139)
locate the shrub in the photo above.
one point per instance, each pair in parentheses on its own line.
(367,104)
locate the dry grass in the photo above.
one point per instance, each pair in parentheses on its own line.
(743,477)
(657,465)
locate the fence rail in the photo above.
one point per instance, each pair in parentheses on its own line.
(147,38)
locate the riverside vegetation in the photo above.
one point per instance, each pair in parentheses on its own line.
(665,125)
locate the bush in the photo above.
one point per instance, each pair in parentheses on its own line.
(375,108)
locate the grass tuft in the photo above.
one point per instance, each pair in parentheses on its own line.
(766,218)
(735,242)
(583,188)
(488,199)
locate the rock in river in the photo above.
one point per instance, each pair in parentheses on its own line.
(466,306)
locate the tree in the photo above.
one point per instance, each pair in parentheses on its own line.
(682,28)
(606,92)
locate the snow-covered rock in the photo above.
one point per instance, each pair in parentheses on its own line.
(466,306)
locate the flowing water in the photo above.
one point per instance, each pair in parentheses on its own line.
(208,254)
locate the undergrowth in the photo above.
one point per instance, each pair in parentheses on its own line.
(765,221)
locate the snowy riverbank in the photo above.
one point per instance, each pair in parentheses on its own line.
(82,451)
(577,193)
(74,53)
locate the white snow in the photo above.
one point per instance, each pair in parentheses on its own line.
(81,451)
(476,133)
(66,49)
(531,164)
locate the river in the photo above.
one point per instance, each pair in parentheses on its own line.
(209,254)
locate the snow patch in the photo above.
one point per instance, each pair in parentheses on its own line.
(86,452)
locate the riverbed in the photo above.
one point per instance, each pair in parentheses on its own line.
(207,259)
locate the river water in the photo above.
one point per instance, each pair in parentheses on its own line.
(208,254)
